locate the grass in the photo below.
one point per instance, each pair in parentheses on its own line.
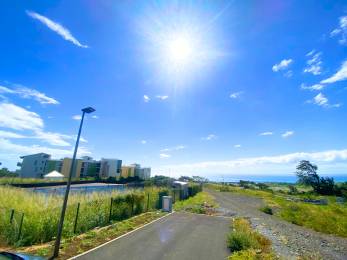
(201,203)
(245,243)
(41,212)
(329,219)
(79,244)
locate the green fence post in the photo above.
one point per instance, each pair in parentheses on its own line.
(110,214)
(147,202)
(20,226)
(76,218)
(11,216)
(132,204)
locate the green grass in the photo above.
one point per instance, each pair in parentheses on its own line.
(245,243)
(329,219)
(201,203)
(41,213)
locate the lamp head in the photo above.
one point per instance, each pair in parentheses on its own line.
(88,110)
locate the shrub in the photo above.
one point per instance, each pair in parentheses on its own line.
(267,210)
(238,241)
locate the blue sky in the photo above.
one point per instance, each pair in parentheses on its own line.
(209,88)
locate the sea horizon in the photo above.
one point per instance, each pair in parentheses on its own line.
(269,178)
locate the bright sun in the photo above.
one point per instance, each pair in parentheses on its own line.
(180,50)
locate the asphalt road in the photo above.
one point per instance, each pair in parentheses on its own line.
(178,236)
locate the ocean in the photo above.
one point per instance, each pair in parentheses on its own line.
(266,178)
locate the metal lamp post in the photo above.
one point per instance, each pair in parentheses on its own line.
(86,110)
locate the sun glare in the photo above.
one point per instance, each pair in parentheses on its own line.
(180,50)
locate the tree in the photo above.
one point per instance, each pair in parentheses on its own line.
(307,173)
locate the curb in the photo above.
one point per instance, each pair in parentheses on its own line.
(132,231)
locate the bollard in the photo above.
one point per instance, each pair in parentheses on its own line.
(20,226)
(110,215)
(11,216)
(76,218)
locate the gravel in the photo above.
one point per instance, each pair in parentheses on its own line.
(288,240)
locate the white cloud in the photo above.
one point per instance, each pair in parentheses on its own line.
(7,134)
(28,93)
(278,164)
(18,118)
(56,27)
(266,133)
(55,139)
(209,137)
(6,146)
(341,30)
(287,134)
(162,97)
(237,146)
(146,98)
(143,142)
(176,148)
(313,87)
(284,64)
(76,117)
(314,64)
(95,117)
(236,95)
(340,75)
(164,156)
(322,100)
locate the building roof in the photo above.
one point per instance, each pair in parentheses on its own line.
(54,174)
(34,155)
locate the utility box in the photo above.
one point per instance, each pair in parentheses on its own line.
(167,203)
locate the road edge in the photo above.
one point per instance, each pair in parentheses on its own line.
(132,231)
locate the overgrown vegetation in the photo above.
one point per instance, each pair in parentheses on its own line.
(201,203)
(28,218)
(245,243)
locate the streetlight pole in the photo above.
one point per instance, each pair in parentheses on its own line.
(87,110)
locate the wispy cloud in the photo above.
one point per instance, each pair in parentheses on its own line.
(314,63)
(283,65)
(143,142)
(237,146)
(146,98)
(266,133)
(341,30)
(162,97)
(28,93)
(56,27)
(18,118)
(164,156)
(95,117)
(287,134)
(313,87)
(236,95)
(209,137)
(257,165)
(340,75)
(176,148)
(76,117)
(323,101)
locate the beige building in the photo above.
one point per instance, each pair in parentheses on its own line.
(128,171)
(65,169)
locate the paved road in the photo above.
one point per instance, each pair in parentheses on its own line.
(178,236)
(288,240)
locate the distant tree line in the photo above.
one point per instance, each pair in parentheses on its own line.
(4,172)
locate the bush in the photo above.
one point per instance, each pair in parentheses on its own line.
(238,241)
(267,210)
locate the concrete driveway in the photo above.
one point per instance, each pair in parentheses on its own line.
(178,236)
